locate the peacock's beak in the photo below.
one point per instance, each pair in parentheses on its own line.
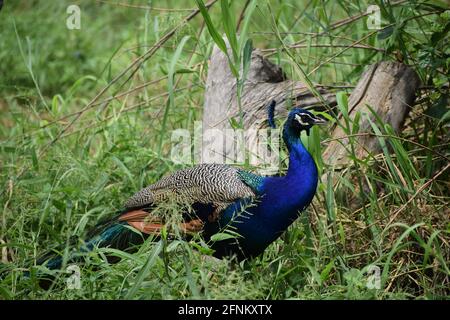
(319,121)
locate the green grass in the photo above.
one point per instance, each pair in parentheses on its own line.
(63,170)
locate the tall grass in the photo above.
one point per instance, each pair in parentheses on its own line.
(387,213)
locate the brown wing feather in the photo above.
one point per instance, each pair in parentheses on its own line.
(148,224)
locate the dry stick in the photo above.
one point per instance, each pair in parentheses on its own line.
(4,254)
(117,96)
(404,206)
(135,106)
(179,78)
(425,185)
(343,50)
(398,274)
(143,7)
(305,77)
(64,117)
(395,275)
(358,46)
(120,95)
(167,36)
(355,46)
(368,205)
(106,100)
(139,61)
(128,109)
(163,40)
(333,26)
(362,134)
(242,15)
(142,46)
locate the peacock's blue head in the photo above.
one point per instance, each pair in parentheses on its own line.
(297,121)
(301,120)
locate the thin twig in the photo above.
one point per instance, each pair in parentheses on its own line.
(343,50)
(362,134)
(136,64)
(300,46)
(125,110)
(336,25)
(189,60)
(425,185)
(134,6)
(404,206)
(115,97)
(241,16)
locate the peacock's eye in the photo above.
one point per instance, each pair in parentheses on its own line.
(301,119)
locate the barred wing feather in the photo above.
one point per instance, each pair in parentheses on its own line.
(205,183)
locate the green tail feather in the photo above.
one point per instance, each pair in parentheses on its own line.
(112,234)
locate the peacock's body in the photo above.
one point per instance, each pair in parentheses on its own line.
(259,209)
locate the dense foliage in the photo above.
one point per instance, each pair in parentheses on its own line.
(69,158)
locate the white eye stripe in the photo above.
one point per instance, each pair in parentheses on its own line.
(299,119)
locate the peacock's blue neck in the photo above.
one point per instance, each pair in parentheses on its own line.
(286,196)
(281,201)
(301,163)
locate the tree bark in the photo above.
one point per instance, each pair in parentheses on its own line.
(265,82)
(387,87)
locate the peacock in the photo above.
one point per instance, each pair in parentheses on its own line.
(258,209)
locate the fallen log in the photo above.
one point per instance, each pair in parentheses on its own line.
(387,87)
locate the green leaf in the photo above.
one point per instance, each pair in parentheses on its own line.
(184,70)
(439,35)
(230,28)
(247,18)
(5,293)
(384,148)
(9,149)
(222,236)
(355,123)
(204,249)
(144,270)
(327,116)
(210,26)
(34,158)
(234,123)
(170,85)
(247,57)
(385,33)
(330,199)
(439,108)
(55,103)
(173,245)
(326,271)
(342,102)
(396,247)
(445,117)
(125,170)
